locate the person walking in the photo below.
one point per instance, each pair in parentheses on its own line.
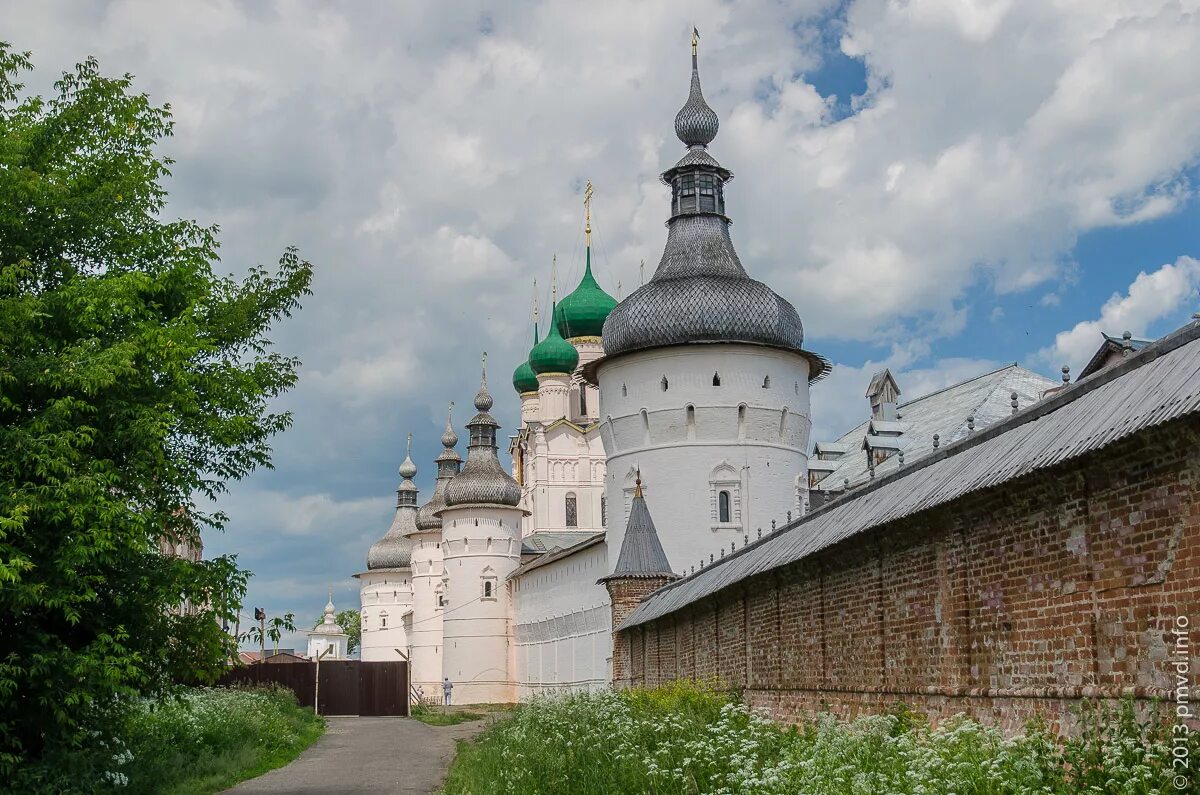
(447,688)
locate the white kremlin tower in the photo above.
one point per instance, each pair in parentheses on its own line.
(704,380)
(481,546)
(386,593)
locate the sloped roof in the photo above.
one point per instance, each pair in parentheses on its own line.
(547,541)
(558,553)
(1110,346)
(642,554)
(945,413)
(1154,386)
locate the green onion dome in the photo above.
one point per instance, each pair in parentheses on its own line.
(583,312)
(524,379)
(553,354)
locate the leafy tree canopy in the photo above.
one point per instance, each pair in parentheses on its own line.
(134,381)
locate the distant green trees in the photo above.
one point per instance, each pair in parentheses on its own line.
(134,381)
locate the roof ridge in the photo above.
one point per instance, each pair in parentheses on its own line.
(1160,347)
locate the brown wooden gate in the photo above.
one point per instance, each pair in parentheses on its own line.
(348,687)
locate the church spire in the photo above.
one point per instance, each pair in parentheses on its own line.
(696,124)
(394,550)
(482,480)
(448,464)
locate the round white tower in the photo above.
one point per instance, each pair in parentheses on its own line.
(481,546)
(425,633)
(386,592)
(704,378)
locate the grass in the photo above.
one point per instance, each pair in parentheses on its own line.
(213,738)
(688,738)
(454,715)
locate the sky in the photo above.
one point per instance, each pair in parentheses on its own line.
(938,186)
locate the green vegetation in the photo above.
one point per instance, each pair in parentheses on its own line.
(201,740)
(696,739)
(435,716)
(135,382)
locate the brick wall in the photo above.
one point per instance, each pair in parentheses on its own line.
(1008,602)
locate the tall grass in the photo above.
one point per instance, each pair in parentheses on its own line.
(199,740)
(695,739)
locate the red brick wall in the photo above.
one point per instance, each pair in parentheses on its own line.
(1018,600)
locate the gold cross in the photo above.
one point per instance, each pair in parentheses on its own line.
(695,39)
(587,209)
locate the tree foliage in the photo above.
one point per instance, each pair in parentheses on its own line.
(135,382)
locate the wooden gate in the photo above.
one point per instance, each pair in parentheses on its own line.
(348,687)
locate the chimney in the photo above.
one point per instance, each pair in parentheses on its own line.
(883,394)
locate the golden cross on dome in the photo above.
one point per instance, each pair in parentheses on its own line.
(587,210)
(695,39)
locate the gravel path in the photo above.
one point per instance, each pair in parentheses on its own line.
(393,755)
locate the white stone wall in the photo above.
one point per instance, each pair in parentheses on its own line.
(748,436)
(481,544)
(385,596)
(563,625)
(425,629)
(319,643)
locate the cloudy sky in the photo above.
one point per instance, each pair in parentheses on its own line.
(939,186)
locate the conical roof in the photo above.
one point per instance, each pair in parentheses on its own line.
(394,550)
(642,554)
(583,312)
(448,464)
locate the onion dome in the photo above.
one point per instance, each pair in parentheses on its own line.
(700,291)
(448,464)
(328,625)
(554,354)
(583,312)
(394,550)
(524,378)
(483,480)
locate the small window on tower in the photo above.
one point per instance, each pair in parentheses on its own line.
(663,383)
(624,391)
(716,379)
(767,382)
(582,400)
(572,510)
(708,193)
(723,512)
(383,620)
(487,590)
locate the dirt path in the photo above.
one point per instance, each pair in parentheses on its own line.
(393,755)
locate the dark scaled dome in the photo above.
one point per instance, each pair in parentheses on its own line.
(700,292)
(394,550)
(448,464)
(482,480)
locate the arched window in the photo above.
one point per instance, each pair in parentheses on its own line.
(663,383)
(383,620)
(582,400)
(767,382)
(723,512)
(572,510)
(716,379)
(487,589)
(624,391)
(440,599)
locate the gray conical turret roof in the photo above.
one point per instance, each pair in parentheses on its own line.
(448,463)
(642,554)
(394,550)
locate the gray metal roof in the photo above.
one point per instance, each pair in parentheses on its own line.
(696,124)
(448,463)
(394,550)
(482,480)
(1159,384)
(945,412)
(554,546)
(641,552)
(1110,346)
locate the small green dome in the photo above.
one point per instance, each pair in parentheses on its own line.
(583,312)
(524,379)
(553,354)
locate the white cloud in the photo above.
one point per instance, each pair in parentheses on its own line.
(1151,297)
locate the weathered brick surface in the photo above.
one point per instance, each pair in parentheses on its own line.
(1003,604)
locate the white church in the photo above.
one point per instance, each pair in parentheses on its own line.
(508,583)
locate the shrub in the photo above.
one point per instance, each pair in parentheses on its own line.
(687,738)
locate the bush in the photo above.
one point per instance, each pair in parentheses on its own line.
(687,738)
(197,741)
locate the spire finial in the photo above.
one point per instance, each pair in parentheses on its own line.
(535,301)
(642,273)
(587,213)
(483,398)
(449,437)
(554,279)
(618,289)
(696,123)
(408,449)
(637,484)
(695,43)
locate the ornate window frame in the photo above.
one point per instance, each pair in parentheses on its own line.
(724,477)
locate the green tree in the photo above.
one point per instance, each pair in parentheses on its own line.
(351,623)
(135,383)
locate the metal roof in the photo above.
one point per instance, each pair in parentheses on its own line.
(1110,346)
(986,397)
(641,552)
(556,552)
(1154,386)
